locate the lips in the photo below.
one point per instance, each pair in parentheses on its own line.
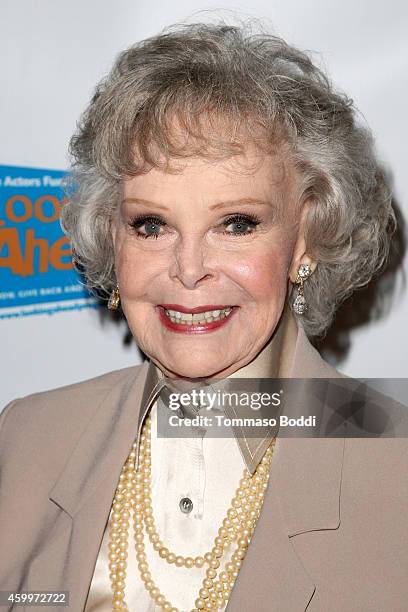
(199,319)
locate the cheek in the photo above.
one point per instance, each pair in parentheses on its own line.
(134,269)
(264,275)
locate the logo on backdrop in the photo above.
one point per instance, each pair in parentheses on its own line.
(36,271)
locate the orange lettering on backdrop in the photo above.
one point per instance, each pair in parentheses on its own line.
(32,243)
(38,208)
(61,248)
(28,209)
(21,261)
(14,260)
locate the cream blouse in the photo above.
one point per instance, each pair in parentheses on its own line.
(207,472)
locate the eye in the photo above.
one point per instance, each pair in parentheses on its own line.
(147,226)
(241,224)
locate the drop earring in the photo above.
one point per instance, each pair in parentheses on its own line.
(299,304)
(114,299)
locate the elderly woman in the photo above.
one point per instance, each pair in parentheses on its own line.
(226,198)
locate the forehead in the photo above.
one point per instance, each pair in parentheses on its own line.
(252,173)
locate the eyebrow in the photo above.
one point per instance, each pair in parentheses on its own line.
(224,204)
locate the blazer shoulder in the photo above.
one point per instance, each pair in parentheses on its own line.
(68,406)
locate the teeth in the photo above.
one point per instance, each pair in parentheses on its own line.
(208,316)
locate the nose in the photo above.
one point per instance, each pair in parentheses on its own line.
(190,262)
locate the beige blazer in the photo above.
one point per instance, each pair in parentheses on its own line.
(332,535)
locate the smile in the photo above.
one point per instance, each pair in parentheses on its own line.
(186,318)
(194,320)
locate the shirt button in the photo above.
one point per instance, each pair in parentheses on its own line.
(186,505)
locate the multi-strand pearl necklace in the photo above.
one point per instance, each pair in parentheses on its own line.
(134,493)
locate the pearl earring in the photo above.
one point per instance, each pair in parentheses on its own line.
(299,304)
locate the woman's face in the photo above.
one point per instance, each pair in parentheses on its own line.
(216,237)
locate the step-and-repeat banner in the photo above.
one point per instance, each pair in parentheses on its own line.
(35,257)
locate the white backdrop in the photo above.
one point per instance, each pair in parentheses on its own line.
(53,53)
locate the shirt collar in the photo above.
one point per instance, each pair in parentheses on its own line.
(279,358)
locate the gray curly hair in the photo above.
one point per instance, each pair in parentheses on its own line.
(198,74)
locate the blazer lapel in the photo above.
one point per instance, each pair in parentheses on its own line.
(272,577)
(303,495)
(84,491)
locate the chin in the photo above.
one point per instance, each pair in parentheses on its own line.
(194,369)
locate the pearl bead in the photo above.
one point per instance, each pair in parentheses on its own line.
(200,603)
(239,554)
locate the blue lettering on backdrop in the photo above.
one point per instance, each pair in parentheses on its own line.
(36,271)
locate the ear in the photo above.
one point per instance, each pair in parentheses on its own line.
(300,255)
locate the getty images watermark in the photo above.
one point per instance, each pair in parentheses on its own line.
(210,401)
(304,407)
